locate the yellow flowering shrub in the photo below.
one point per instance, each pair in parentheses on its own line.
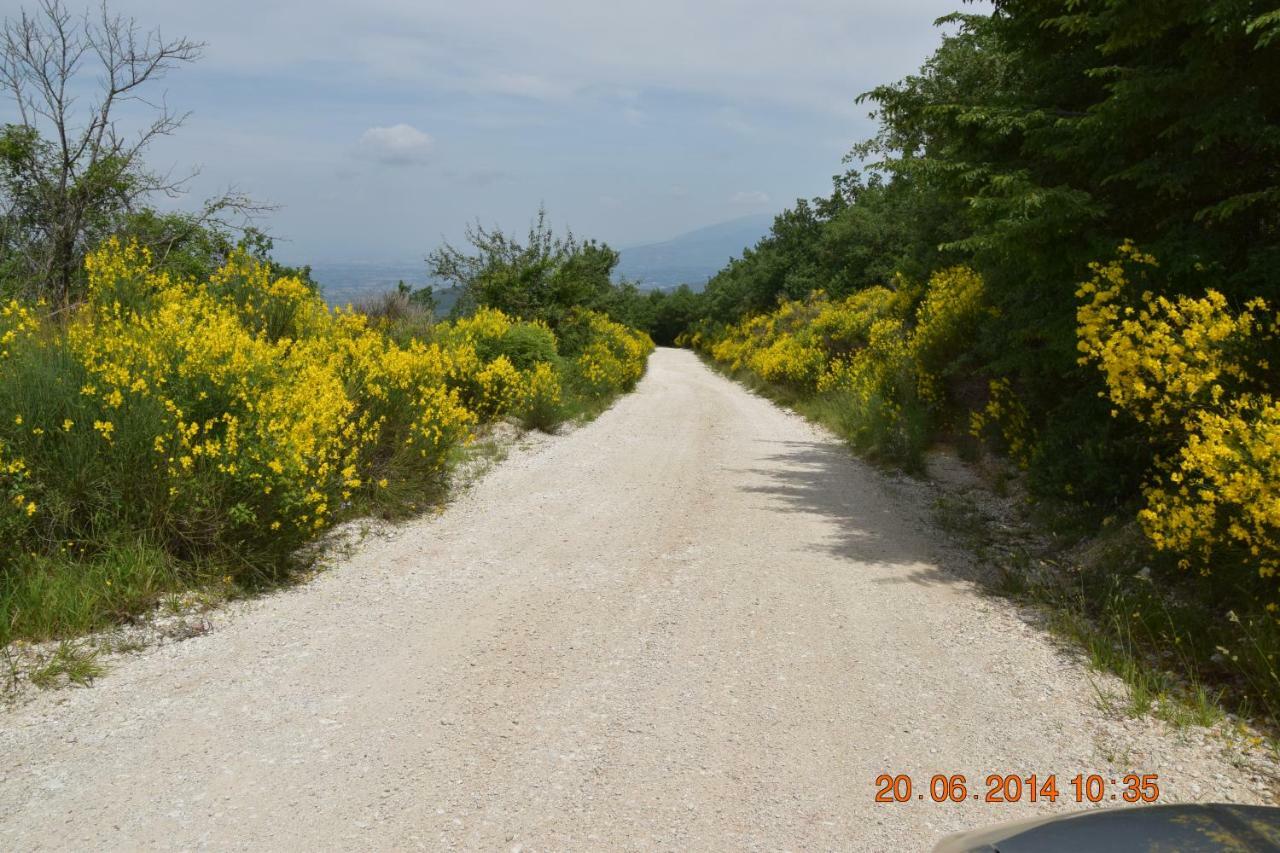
(269,305)
(1199,375)
(1161,356)
(405,396)
(492,333)
(817,344)
(945,319)
(885,360)
(788,359)
(486,324)
(610,357)
(267,410)
(232,419)
(502,354)
(501,388)
(540,391)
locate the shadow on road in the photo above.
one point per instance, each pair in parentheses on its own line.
(871,525)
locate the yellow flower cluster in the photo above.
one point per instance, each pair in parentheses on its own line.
(1198,375)
(1006,413)
(862,343)
(516,363)
(501,388)
(16,504)
(774,345)
(487,324)
(1162,355)
(17,321)
(952,305)
(542,389)
(614,356)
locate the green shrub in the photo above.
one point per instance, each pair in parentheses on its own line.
(524,345)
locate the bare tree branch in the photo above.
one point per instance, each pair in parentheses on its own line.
(60,194)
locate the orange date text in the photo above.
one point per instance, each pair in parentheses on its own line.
(1015,788)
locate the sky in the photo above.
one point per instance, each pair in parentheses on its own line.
(380,128)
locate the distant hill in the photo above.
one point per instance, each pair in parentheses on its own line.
(694,257)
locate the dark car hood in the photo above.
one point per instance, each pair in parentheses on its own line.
(1151,829)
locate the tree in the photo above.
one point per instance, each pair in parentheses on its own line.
(70,174)
(423,298)
(673,312)
(540,279)
(1033,141)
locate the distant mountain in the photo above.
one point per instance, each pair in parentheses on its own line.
(691,258)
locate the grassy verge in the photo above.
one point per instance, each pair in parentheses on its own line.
(67,614)
(69,594)
(1107,595)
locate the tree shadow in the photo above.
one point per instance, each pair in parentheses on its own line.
(879,528)
(869,523)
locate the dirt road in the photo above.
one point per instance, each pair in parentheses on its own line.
(696,623)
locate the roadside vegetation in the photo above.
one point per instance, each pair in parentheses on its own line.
(1059,250)
(170,431)
(179,412)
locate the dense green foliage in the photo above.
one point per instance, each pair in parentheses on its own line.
(543,278)
(1034,141)
(548,277)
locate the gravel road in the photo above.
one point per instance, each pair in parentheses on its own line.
(695,623)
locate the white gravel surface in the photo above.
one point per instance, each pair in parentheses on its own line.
(696,623)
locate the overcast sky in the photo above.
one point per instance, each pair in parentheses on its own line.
(381,126)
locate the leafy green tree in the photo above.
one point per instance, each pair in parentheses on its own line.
(543,278)
(672,311)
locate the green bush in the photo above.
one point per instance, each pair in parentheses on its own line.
(524,345)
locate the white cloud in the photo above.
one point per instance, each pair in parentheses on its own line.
(749,198)
(397,145)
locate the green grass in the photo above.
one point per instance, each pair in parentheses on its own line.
(47,597)
(69,664)
(1148,627)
